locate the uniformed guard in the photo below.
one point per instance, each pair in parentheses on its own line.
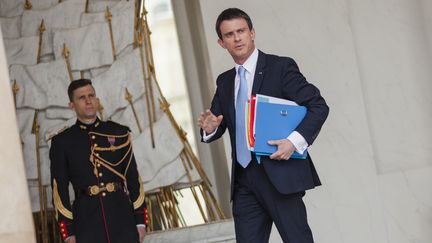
(96,157)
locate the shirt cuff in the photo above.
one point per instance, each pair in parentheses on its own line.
(299,142)
(206,136)
(141,225)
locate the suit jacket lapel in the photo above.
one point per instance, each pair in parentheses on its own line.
(259,73)
(231,88)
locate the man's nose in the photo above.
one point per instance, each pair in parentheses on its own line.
(237,37)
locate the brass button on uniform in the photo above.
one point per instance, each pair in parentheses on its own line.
(95,145)
(100,174)
(102,184)
(98,165)
(93,137)
(103,194)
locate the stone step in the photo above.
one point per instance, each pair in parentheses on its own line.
(216,232)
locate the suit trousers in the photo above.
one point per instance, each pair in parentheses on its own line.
(257,205)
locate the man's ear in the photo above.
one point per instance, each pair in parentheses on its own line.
(253,34)
(71,106)
(221,43)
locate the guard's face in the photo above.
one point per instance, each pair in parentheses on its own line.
(237,38)
(85,103)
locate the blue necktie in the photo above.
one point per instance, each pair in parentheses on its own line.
(243,154)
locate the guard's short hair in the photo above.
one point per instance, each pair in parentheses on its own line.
(231,13)
(78,83)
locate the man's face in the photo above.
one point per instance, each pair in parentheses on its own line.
(237,38)
(85,103)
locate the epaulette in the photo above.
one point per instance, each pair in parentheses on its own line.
(118,124)
(50,135)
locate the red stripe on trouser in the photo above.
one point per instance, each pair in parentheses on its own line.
(104,218)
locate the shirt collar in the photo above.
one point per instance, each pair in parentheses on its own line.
(250,63)
(90,126)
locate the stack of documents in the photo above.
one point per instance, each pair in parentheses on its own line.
(270,118)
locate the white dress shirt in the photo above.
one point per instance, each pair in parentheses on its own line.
(250,65)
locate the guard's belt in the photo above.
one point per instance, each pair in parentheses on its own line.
(95,189)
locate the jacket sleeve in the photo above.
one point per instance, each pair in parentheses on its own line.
(216,110)
(60,189)
(136,192)
(296,88)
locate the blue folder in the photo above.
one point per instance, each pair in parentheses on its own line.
(274,122)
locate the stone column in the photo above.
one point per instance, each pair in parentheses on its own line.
(16,222)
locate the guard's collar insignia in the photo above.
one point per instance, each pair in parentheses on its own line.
(84,126)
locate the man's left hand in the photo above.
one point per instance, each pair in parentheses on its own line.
(284,151)
(141,233)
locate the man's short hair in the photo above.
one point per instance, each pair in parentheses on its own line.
(232,13)
(76,84)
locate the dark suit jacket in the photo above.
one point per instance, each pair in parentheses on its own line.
(278,77)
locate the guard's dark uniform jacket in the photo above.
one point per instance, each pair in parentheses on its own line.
(109,196)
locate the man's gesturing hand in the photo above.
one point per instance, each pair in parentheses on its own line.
(209,122)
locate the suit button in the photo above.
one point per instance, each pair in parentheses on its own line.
(103,194)
(102,184)
(100,174)
(93,137)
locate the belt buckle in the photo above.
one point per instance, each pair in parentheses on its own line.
(110,187)
(94,190)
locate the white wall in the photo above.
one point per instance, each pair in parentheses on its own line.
(16,221)
(371,60)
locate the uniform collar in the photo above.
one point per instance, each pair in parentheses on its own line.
(84,126)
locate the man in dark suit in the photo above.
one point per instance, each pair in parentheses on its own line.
(270,191)
(97,158)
